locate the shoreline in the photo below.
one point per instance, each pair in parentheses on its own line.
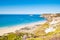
(6,30)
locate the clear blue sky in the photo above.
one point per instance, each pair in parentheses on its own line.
(29,6)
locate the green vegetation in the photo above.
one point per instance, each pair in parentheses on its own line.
(11,36)
(39,34)
(14,36)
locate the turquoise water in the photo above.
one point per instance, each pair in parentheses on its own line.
(9,20)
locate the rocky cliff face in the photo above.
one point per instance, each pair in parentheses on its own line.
(52,27)
(50,17)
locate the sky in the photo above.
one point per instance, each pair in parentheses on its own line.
(29,6)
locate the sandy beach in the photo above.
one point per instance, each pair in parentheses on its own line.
(6,30)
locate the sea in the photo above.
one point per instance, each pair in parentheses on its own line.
(15,19)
